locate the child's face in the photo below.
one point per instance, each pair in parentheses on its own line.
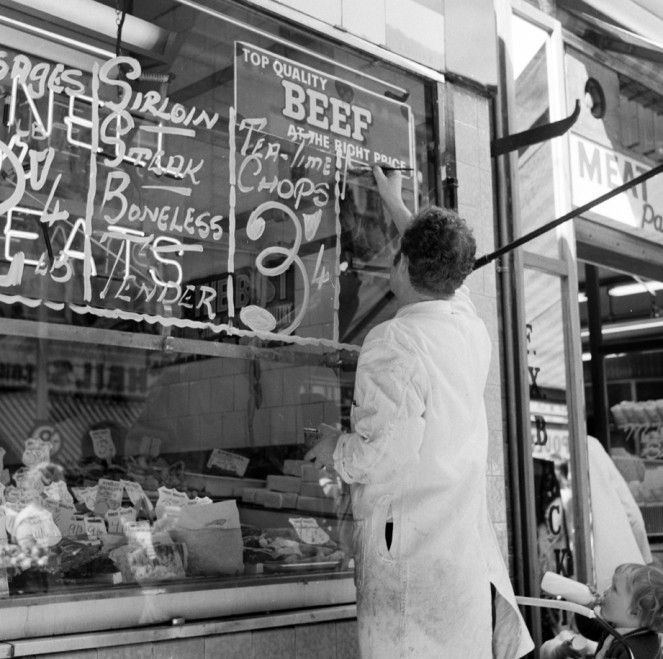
(616,604)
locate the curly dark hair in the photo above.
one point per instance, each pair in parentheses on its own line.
(440,249)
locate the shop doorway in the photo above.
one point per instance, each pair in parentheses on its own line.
(621,315)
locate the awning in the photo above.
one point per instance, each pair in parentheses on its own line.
(616,39)
(632,27)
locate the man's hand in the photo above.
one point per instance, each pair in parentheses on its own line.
(322,454)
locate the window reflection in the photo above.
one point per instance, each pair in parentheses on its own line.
(159,474)
(195,224)
(548,407)
(532,109)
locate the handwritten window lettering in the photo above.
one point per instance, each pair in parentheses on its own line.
(299,156)
(108,123)
(122,204)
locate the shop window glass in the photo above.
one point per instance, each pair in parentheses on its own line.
(531,109)
(192,252)
(649,390)
(617,392)
(633,365)
(548,408)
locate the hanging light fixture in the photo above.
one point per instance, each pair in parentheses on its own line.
(101,19)
(642,286)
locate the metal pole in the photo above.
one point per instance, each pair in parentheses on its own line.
(486,259)
(601,429)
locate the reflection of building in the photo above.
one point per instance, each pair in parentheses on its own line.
(589,289)
(188,271)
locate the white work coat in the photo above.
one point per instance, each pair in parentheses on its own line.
(417,455)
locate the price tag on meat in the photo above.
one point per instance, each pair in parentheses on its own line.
(63,516)
(109,496)
(36,525)
(137,495)
(77,525)
(139,533)
(118,518)
(58,491)
(309,531)
(102,443)
(36,451)
(94,527)
(170,497)
(86,495)
(227,461)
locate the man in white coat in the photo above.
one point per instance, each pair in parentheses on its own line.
(416,460)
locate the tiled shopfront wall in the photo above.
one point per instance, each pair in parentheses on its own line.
(210,403)
(412,28)
(475,203)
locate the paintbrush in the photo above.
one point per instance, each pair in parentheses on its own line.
(367,169)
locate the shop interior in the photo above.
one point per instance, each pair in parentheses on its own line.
(623,372)
(135,417)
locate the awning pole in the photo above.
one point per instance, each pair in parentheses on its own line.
(487,258)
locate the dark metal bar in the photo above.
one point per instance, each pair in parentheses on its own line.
(513,349)
(487,258)
(47,240)
(450,181)
(437,149)
(599,392)
(535,135)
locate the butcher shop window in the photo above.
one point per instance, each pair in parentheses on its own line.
(192,252)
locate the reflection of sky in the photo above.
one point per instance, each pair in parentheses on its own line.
(625,208)
(527,41)
(546,343)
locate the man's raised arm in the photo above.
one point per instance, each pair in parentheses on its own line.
(389,188)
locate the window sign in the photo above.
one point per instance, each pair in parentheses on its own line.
(122,203)
(304,104)
(215,188)
(597,170)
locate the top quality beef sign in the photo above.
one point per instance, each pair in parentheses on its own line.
(300,103)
